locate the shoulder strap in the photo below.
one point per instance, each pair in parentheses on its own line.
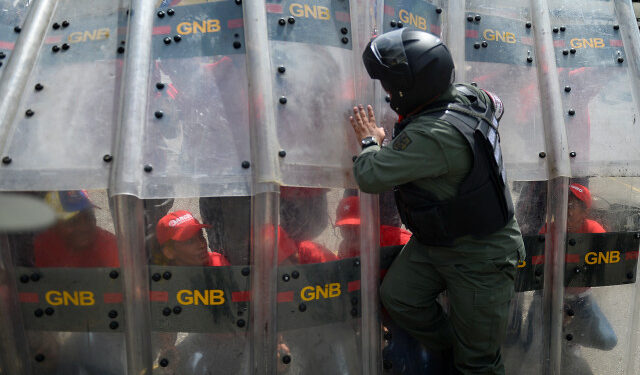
(455,107)
(440,112)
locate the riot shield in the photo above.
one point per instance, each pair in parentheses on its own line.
(200,314)
(199,299)
(319,304)
(500,58)
(196,135)
(311,53)
(69,288)
(599,268)
(66,114)
(598,84)
(600,276)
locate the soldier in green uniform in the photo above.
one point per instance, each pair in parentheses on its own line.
(445,166)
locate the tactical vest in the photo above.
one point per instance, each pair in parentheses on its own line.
(483,202)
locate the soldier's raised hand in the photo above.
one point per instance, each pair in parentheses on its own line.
(364,124)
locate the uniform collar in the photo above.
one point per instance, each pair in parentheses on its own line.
(449,96)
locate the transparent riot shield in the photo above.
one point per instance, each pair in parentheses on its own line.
(600,266)
(601,257)
(500,58)
(319,304)
(196,136)
(311,52)
(600,276)
(60,136)
(12,16)
(594,71)
(199,286)
(69,288)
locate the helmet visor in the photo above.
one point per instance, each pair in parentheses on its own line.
(385,59)
(389,50)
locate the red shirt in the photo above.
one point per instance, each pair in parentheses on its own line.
(588,226)
(308,251)
(50,251)
(217,260)
(393,236)
(389,236)
(311,252)
(591,226)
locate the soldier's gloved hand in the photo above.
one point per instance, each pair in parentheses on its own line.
(364,124)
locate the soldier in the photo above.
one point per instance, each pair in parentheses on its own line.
(445,166)
(303,217)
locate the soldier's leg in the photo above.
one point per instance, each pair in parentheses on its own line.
(409,293)
(479,295)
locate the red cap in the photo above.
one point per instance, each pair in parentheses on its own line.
(178,226)
(348,212)
(581,193)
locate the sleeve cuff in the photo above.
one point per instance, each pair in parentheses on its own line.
(373,148)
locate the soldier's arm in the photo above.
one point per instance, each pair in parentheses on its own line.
(412,155)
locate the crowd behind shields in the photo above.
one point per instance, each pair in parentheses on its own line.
(76,241)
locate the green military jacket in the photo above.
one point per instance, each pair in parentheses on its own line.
(434,156)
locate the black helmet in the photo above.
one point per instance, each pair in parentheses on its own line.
(413,66)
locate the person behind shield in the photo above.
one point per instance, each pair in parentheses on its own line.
(588,324)
(291,252)
(182,242)
(584,319)
(303,217)
(445,165)
(75,240)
